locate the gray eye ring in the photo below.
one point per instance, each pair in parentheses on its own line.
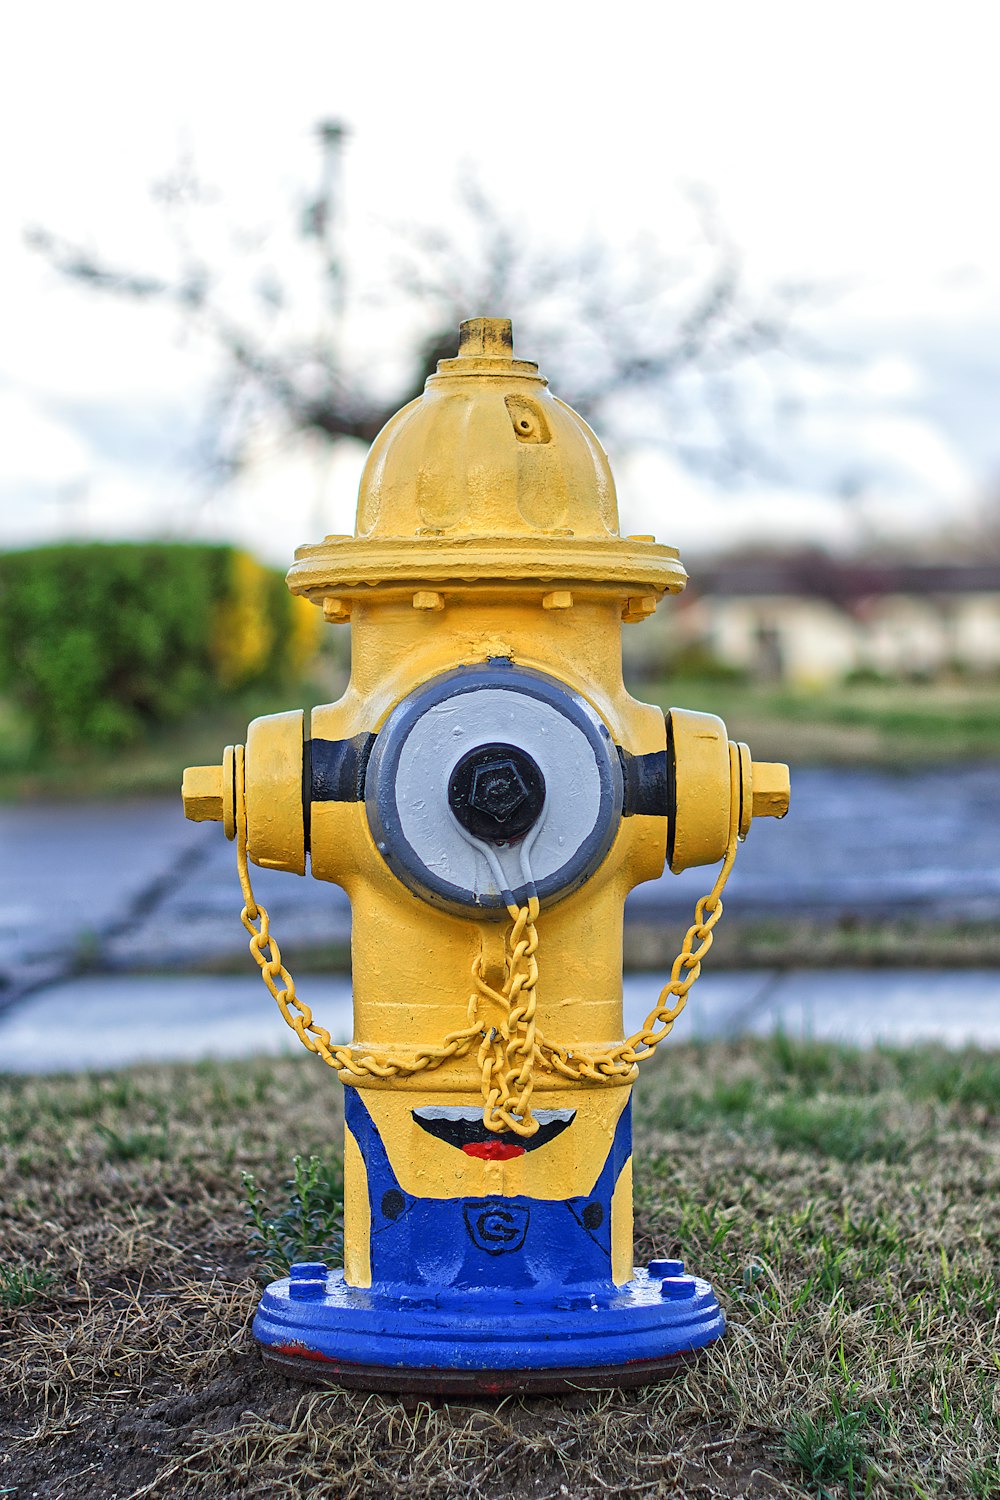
(595,797)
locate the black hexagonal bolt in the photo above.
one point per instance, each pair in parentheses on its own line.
(497,792)
(497,788)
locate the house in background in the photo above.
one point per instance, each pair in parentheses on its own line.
(811,619)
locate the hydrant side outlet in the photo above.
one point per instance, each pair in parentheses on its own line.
(487,792)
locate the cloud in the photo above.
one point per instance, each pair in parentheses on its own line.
(38,451)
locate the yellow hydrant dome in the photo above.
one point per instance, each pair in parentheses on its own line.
(487,450)
(486,475)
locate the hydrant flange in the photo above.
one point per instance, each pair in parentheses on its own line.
(414,1340)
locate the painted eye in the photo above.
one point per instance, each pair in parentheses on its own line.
(533,760)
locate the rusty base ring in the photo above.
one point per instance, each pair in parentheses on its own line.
(473,1384)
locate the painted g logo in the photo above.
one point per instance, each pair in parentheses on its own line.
(496,1225)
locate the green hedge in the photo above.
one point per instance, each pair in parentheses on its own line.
(101,641)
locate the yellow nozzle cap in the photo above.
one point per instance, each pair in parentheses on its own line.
(201,794)
(772,791)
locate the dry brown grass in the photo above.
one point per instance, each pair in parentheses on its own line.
(844,1205)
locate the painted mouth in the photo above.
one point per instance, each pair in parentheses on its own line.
(463,1128)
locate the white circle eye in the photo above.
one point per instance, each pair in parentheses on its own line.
(429,733)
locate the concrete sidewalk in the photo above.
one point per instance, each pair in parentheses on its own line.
(111,1022)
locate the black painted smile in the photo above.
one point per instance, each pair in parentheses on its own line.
(463,1128)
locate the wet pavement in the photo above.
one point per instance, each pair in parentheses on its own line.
(866,843)
(129,886)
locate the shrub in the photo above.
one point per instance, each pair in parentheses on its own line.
(100,641)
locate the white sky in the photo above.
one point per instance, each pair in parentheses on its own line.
(850,143)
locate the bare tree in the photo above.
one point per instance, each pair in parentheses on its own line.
(647,345)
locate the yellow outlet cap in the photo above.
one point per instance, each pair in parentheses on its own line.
(772,791)
(201,794)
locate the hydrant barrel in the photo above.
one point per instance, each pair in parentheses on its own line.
(487,792)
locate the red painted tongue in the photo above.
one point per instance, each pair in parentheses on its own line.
(493,1150)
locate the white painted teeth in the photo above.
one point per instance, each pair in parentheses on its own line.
(473,1116)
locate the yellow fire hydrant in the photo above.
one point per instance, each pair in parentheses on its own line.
(487,793)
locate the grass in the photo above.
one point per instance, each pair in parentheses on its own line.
(829,1451)
(842,1202)
(793,942)
(20,1285)
(885,724)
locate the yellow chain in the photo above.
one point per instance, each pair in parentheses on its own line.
(296,1012)
(507,1057)
(509,1052)
(623,1060)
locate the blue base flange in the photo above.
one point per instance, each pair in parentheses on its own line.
(391,1337)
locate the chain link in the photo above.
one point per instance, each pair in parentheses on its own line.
(509,1052)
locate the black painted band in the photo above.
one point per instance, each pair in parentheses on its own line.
(334,771)
(646,784)
(307,794)
(337,768)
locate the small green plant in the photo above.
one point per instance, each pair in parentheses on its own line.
(309,1224)
(20,1285)
(829,1452)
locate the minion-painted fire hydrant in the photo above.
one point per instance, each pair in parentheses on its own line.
(487,793)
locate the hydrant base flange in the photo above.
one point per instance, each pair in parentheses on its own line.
(476,1384)
(400,1338)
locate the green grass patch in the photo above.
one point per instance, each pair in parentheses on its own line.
(793,942)
(830,1452)
(884,723)
(22,1284)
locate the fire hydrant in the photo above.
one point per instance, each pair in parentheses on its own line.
(487,793)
